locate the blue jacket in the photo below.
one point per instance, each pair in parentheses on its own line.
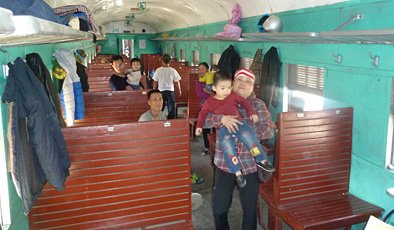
(37,144)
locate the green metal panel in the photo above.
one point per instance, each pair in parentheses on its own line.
(354,82)
(18,219)
(113,43)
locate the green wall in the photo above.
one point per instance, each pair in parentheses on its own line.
(18,219)
(355,82)
(112,43)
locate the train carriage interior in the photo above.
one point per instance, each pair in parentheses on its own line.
(73,154)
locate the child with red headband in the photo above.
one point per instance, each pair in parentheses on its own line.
(226,102)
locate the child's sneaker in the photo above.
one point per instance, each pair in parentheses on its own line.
(266,166)
(240,181)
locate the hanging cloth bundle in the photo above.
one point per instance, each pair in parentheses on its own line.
(229,61)
(71,95)
(36,64)
(37,146)
(80,56)
(69,12)
(270,78)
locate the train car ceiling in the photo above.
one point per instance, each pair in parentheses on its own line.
(166,15)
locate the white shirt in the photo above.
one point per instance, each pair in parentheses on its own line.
(166,76)
(134,77)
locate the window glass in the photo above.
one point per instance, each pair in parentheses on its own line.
(305,88)
(182,55)
(215,58)
(390,136)
(196,57)
(246,63)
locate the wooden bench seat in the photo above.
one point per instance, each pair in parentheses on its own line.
(102,108)
(123,176)
(99,79)
(310,187)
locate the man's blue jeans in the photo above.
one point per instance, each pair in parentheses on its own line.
(248,137)
(169,100)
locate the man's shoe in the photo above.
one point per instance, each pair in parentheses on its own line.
(266,166)
(197,179)
(240,181)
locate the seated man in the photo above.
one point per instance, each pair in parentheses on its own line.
(155,102)
(118,80)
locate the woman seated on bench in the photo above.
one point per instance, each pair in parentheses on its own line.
(225,180)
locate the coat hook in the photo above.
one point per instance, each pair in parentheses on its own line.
(338,58)
(375,59)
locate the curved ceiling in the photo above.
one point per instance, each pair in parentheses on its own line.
(164,15)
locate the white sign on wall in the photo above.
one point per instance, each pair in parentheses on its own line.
(142,44)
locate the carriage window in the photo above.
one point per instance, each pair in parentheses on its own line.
(390,136)
(215,58)
(182,55)
(305,88)
(5,213)
(196,57)
(173,51)
(246,63)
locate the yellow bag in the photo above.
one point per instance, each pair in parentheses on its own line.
(57,71)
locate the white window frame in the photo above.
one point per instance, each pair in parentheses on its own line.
(246,63)
(215,57)
(182,55)
(306,82)
(390,137)
(196,57)
(5,211)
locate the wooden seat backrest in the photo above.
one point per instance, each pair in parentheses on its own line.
(313,154)
(103,108)
(193,103)
(123,176)
(184,72)
(149,62)
(98,79)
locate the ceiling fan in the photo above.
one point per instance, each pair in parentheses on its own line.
(141,6)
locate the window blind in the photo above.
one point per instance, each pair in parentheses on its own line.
(308,79)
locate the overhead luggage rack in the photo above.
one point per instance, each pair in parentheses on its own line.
(205,38)
(384,36)
(33,30)
(285,37)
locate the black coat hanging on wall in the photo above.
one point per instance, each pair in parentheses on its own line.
(270,78)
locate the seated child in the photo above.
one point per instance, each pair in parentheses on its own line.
(134,74)
(225,102)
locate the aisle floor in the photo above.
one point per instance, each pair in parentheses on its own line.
(202,217)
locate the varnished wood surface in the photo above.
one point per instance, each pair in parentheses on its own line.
(116,107)
(310,186)
(122,176)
